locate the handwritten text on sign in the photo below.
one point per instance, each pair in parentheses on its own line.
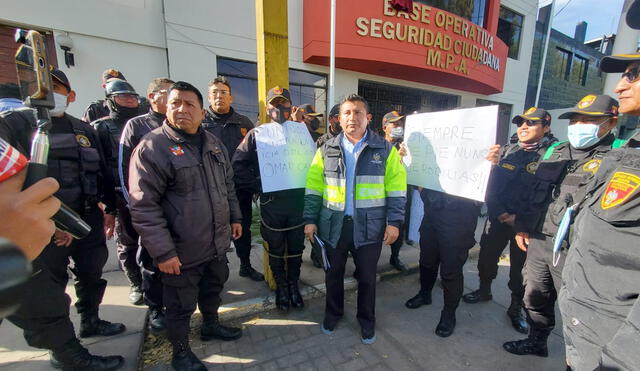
(285,152)
(447,149)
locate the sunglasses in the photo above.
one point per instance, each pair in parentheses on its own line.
(631,75)
(529,123)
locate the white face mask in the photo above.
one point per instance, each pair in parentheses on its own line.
(61,105)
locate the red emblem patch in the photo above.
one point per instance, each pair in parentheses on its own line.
(243,131)
(619,189)
(176,150)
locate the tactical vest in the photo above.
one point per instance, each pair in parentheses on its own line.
(74,161)
(115,132)
(564,179)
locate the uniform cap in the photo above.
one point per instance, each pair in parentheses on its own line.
(593,105)
(307,109)
(390,117)
(278,92)
(618,62)
(112,73)
(633,15)
(60,77)
(335,111)
(532,114)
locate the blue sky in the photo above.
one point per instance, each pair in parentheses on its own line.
(601,15)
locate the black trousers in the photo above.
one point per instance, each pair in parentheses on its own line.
(395,247)
(200,285)
(151,281)
(44,313)
(243,244)
(492,243)
(281,213)
(127,241)
(542,282)
(366,261)
(445,239)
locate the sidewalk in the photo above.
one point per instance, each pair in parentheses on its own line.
(399,344)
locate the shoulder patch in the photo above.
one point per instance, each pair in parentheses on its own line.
(83,141)
(592,166)
(532,167)
(619,189)
(176,150)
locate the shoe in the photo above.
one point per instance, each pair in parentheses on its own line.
(518,320)
(535,344)
(294,295)
(91,325)
(215,330)
(397,264)
(187,361)
(249,272)
(282,297)
(418,300)
(156,320)
(368,340)
(477,296)
(135,295)
(74,357)
(327,330)
(447,323)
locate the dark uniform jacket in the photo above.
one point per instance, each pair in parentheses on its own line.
(75,157)
(133,131)
(510,184)
(326,136)
(230,128)
(182,202)
(99,109)
(600,297)
(561,180)
(109,132)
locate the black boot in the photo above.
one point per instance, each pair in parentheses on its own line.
(535,344)
(213,329)
(185,360)
(294,295)
(74,357)
(481,294)
(282,296)
(156,319)
(514,312)
(249,272)
(135,295)
(423,298)
(395,262)
(92,325)
(447,323)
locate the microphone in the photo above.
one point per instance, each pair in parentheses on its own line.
(12,162)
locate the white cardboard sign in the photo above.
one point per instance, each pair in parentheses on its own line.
(447,149)
(285,152)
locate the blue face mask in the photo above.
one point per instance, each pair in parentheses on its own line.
(584,135)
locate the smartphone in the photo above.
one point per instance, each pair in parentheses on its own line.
(33,67)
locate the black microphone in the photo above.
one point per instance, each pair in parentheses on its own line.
(12,162)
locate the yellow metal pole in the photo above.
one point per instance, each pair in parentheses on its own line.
(273,48)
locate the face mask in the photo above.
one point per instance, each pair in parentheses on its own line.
(280,113)
(583,135)
(122,113)
(314,124)
(397,132)
(61,105)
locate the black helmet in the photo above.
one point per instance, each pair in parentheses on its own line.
(118,86)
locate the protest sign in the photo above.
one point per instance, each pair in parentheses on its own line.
(447,149)
(285,152)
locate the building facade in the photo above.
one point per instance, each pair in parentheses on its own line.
(438,55)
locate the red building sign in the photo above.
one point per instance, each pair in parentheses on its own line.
(426,44)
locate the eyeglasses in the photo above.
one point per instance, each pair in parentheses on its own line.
(631,75)
(589,120)
(223,93)
(529,123)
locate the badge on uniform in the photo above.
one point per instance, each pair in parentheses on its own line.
(619,189)
(532,167)
(592,166)
(508,166)
(176,150)
(83,141)
(376,158)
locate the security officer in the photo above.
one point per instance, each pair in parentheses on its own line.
(100,108)
(122,100)
(281,211)
(76,161)
(134,130)
(308,116)
(393,128)
(355,198)
(184,205)
(561,180)
(599,300)
(231,127)
(509,189)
